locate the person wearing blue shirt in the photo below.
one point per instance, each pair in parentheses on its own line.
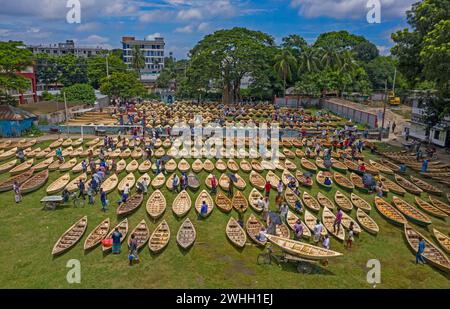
(298,206)
(103,199)
(203,210)
(424,166)
(327,181)
(420,251)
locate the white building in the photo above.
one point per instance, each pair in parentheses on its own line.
(67,48)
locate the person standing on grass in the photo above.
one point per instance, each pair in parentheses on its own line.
(283,211)
(90,194)
(81,188)
(213,184)
(203,210)
(337,221)
(125,193)
(175,183)
(317,231)
(424,166)
(116,237)
(350,236)
(298,230)
(133,250)
(17,193)
(267,188)
(265,213)
(420,251)
(103,199)
(280,188)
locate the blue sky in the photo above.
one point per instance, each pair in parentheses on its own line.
(184,22)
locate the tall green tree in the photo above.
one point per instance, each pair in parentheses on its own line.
(73,70)
(13,58)
(285,63)
(138,59)
(295,43)
(97,67)
(47,70)
(122,85)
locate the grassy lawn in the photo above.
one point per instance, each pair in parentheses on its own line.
(48,107)
(29,233)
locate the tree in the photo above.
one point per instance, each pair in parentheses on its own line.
(96,67)
(13,58)
(47,70)
(284,64)
(138,60)
(72,70)
(295,43)
(122,85)
(80,93)
(382,69)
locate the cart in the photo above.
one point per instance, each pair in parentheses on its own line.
(51,202)
(304,266)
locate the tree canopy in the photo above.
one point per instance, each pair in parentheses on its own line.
(122,85)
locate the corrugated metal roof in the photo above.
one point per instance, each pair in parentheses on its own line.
(8,112)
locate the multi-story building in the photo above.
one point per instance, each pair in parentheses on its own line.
(66,48)
(27,95)
(153,52)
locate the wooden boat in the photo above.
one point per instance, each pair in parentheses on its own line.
(158,181)
(32,153)
(224,182)
(159,152)
(292,219)
(66,152)
(240,183)
(233,166)
(320,178)
(268,165)
(132,166)
(76,153)
(58,184)
(351,166)
(167,143)
(360,203)
(115,154)
(256,166)
(392,186)
(8,154)
(339,166)
(291,166)
(43,153)
(239,202)
(72,186)
(367,222)
(123,229)
(343,182)
(129,179)
(208,181)
(25,166)
(280,166)
(432,254)
(389,211)
(439,204)
(183,166)
(145,166)
(381,167)
(425,186)
(160,237)
(193,182)
(141,234)
(430,209)
(97,235)
(204,196)
(56,143)
(290,197)
(182,204)
(253,226)
(253,199)
(328,219)
(324,201)
(223,202)
(287,177)
(186,234)
(34,182)
(78,168)
(301,249)
(308,165)
(245,166)
(171,166)
(221,166)
(320,164)
(289,153)
(443,240)
(70,237)
(131,205)
(300,153)
(257,181)
(346,220)
(358,182)
(7,184)
(67,166)
(310,202)
(8,165)
(66,143)
(303,180)
(110,183)
(282,230)
(137,153)
(343,201)
(208,165)
(197,166)
(156,205)
(411,212)
(407,185)
(273,179)
(235,233)
(93,142)
(125,154)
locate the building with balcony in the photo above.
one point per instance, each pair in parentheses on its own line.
(67,48)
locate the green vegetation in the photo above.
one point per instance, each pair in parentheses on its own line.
(80,93)
(122,84)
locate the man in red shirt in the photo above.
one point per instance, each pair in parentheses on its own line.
(268,187)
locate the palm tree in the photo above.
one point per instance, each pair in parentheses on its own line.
(138,60)
(284,63)
(347,62)
(330,58)
(308,61)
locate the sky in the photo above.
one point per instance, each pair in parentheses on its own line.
(184,22)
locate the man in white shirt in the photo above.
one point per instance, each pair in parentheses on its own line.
(283,212)
(317,231)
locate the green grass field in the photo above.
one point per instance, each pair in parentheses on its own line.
(29,233)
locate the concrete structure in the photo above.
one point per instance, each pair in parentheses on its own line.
(67,48)
(153,52)
(29,94)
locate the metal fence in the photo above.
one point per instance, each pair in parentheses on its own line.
(352,113)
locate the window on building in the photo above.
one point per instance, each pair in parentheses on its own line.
(437,134)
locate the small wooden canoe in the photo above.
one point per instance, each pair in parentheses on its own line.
(360,203)
(208,181)
(343,182)
(233,166)
(392,186)
(239,202)
(45,164)
(287,178)
(339,166)
(183,166)
(32,153)
(351,166)
(158,181)
(58,184)
(289,153)
(432,254)
(253,226)
(186,234)
(425,186)
(389,211)
(193,182)
(197,166)
(34,182)
(167,143)
(76,153)
(122,228)
(292,219)
(78,168)
(171,166)
(56,143)
(129,179)
(381,167)
(159,238)
(301,249)
(115,154)
(282,230)
(110,183)
(443,240)
(407,185)
(240,183)
(273,179)
(347,220)
(97,235)
(8,165)
(291,166)
(137,153)
(68,142)
(290,197)
(66,152)
(411,212)
(8,183)
(310,202)
(257,181)
(303,180)
(182,204)
(156,205)
(367,222)
(430,209)
(72,186)
(125,154)
(204,196)
(439,204)
(70,237)
(208,165)
(160,152)
(221,166)
(235,233)
(320,178)
(141,234)
(93,142)
(131,205)
(145,166)
(320,164)
(245,166)
(223,202)
(308,165)
(324,201)
(268,165)
(256,166)
(67,166)
(25,166)
(8,154)
(300,153)
(132,166)
(328,219)
(343,201)
(253,199)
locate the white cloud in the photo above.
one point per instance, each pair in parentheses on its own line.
(186,29)
(151,37)
(384,50)
(95,39)
(86,27)
(203,27)
(156,16)
(190,14)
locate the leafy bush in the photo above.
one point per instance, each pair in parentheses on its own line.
(80,93)
(47,96)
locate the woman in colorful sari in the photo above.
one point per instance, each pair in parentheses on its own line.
(116,236)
